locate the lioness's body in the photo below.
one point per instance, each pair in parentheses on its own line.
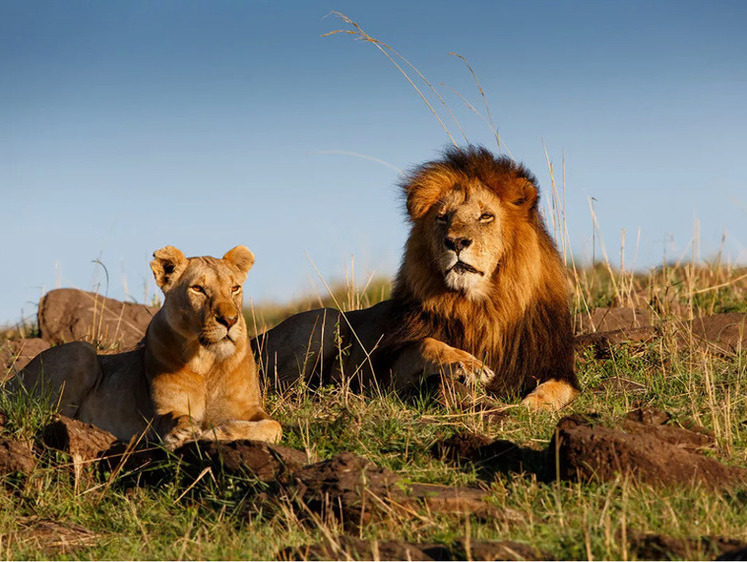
(481,293)
(193,375)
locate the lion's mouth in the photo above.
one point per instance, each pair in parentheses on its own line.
(462,267)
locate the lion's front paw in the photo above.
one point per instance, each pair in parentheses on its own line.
(550,396)
(472,373)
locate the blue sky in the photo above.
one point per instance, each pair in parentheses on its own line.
(127,126)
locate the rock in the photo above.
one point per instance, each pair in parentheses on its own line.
(16,354)
(657,455)
(353,490)
(611,319)
(661,547)
(16,457)
(67,315)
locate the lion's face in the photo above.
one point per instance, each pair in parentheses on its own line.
(204,298)
(468,216)
(466,239)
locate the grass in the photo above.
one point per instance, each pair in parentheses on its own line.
(219,517)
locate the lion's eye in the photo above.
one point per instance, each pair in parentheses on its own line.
(441,219)
(486,217)
(235,289)
(198,289)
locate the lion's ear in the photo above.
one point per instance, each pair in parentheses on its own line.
(167,265)
(241,257)
(425,188)
(527,194)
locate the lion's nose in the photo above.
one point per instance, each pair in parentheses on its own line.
(456,244)
(227,321)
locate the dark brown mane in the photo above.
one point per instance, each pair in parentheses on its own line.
(523,330)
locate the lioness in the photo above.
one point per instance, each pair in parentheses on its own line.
(192,377)
(481,293)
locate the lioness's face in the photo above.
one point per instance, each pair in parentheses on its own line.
(467,238)
(204,299)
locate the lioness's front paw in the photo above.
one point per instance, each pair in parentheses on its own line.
(178,436)
(550,396)
(269,431)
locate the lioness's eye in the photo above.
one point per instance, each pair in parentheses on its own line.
(198,289)
(486,217)
(235,289)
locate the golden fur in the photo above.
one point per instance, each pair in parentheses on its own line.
(191,378)
(481,293)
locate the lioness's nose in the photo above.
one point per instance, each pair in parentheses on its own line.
(456,244)
(227,321)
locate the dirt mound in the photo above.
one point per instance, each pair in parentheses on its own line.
(728,332)
(490,457)
(353,490)
(16,354)
(16,457)
(67,315)
(610,319)
(612,326)
(583,450)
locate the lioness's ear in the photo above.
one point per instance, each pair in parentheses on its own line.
(167,265)
(241,257)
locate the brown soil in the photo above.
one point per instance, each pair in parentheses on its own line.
(352,490)
(583,450)
(16,457)
(490,457)
(16,354)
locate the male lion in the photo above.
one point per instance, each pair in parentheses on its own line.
(481,293)
(192,377)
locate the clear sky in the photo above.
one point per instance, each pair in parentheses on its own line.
(127,126)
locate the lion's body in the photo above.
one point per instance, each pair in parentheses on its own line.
(481,291)
(193,375)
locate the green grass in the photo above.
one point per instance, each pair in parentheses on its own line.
(222,517)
